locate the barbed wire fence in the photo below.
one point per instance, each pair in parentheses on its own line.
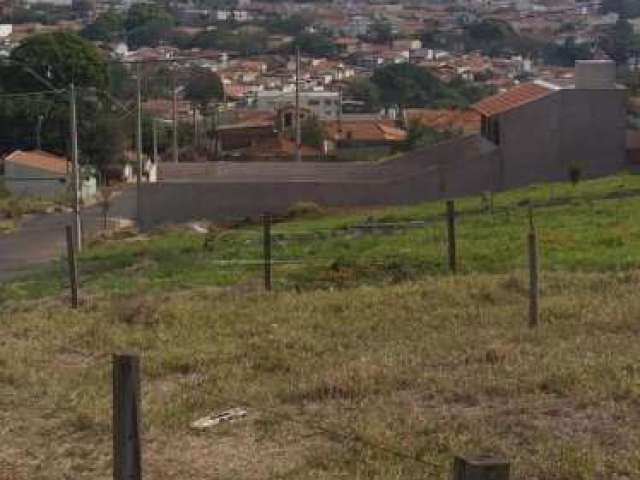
(277,245)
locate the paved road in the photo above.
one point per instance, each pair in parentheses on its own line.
(41,238)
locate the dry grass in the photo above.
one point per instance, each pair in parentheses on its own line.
(371,382)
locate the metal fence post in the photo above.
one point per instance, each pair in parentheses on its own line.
(73,266)
(451,235)
(126,418)
(534,277)
(266,224)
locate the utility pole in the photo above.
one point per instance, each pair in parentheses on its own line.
(340,109)
(75,169)
(139,147)
(175,120)
(298,132)
(154,125)
(38,132)
(195,126)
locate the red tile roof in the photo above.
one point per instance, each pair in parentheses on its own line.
(513,98)
(466,120)
(39,160)
(365,130)
(280,146)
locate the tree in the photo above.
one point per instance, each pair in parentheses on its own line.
(315,44)
(203,87)
(624,8)
(381,32)
(406,85)
(83,7)
(151,34)
(619,41)
(292,25)
(312,132)
(364,90)
(421,136)
(59,57)
(107,27)
(140,14)
(565,55)
(106,143)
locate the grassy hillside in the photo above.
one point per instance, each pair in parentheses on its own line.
(594,226)
(367,361)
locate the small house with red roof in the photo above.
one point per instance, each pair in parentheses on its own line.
(41,174)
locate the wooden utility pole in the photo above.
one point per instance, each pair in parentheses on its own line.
(451,235)
(297,124)
(127,418)
(266,236)
(154,127)
(175,120)
(75,170)
(73,267)
(195,126)
(534,274)
(139,147)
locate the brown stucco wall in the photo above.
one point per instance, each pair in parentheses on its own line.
(539,142)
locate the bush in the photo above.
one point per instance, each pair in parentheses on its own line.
(305,210)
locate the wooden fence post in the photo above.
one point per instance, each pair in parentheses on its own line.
(451,235)
(534,289)
(127,418)
(73,267)
(266,236)
(480,468)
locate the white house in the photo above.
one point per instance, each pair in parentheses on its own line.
(325,105)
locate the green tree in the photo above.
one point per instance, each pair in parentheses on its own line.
(106,142)
(203,87)
(60,57)
(619,42)
(312,132)
(140,14)
(314,44)
(151,34)
(406,85)
(381,32)
(625,8)
(291,25)
(106,28)
(421,136)
(364,90)
(565,55)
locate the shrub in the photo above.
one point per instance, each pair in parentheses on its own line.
(305,210)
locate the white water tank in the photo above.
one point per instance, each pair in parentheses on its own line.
(595,74)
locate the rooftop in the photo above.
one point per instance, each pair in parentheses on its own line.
(513,98)
(365,130)
(39,160)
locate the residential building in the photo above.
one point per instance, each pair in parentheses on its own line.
(42,174)
(323,104)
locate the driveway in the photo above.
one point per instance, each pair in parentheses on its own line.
(41,238)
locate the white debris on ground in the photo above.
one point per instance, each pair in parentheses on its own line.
(218,418)
(199,227)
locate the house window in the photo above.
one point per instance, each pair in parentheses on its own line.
(313,102)
(490,129)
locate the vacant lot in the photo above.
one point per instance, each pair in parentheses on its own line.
(368,360)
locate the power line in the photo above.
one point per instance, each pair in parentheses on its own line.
(32,94)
